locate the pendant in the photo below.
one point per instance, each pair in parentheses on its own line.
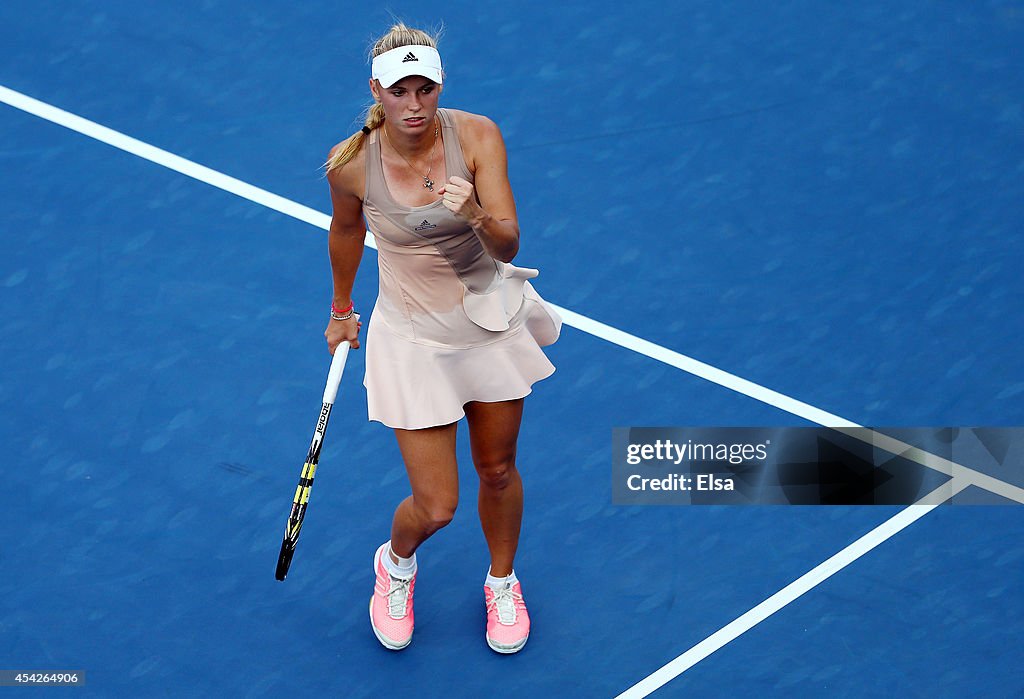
(428,183)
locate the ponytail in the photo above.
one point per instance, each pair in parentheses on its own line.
(354,144)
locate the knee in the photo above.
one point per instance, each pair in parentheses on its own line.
(497,475)
(437,515)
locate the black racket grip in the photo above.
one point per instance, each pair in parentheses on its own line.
(284,559)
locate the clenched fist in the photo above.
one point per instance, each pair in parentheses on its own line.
(460,199)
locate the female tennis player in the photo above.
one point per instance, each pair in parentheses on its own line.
(456,331)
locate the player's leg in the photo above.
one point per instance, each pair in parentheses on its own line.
(493,431)
(429,456)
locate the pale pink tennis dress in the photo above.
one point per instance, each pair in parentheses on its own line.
(451,324)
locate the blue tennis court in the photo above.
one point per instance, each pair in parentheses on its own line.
(753,214)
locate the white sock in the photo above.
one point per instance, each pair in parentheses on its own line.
(498,583)
(405,568)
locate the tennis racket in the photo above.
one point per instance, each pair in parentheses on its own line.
(301,500)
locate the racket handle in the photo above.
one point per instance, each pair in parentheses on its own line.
(334,376)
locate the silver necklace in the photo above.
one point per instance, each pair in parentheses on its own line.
(427,182)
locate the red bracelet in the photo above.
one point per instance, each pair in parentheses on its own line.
(342,311)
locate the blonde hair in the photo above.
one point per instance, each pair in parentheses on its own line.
(398,35)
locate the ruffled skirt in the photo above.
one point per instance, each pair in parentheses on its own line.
(412,385)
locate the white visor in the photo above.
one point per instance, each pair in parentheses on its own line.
(391,66)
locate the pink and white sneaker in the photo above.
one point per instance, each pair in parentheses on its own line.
(508,623)
(391,605)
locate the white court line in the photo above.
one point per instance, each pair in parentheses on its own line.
(167,159)
(790,405)
(576,320)
(964,475)
(795,589)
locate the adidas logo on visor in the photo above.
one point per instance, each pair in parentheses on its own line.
(409,57)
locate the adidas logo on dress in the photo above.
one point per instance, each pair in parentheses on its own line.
(425,226)
(409,57)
